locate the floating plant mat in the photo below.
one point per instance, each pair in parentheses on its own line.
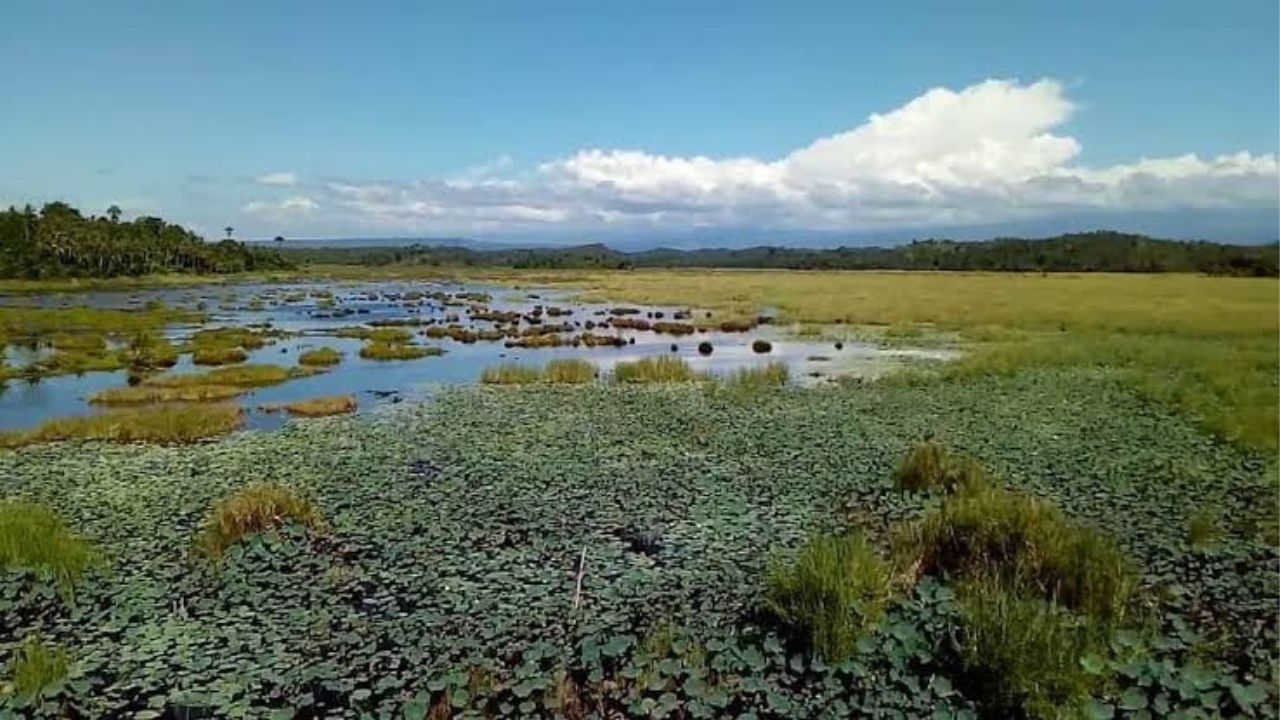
(447,572)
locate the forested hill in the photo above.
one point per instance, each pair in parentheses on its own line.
(58,241)
(1100,251)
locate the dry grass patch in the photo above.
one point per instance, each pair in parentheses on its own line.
(394,351)
(147,395)
(256,508)
(164,424)
(242,376)
(213,355)
(320,357)
(322,406)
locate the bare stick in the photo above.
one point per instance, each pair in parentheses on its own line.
(582,570)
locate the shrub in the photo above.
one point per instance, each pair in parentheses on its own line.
(835,588)
(1027,544)
(761,346)
(929,465)
(320,357)
(322,406)
(37,670)
(165,424)
(218,355)
(33,537)
(1021,657)
(665,368)
(571,371)
(510,374)
(395,351)
(256,508)
(704,348)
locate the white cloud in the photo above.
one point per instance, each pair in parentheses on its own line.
(278,179)
(280,208)
(988,153)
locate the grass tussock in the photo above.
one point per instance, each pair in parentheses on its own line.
(33,537)
(37,670)
(662,369)
(773,375)
(385,335)
(320,357)
(163,424)
(569,371)
(1021,656)
(377,350)
(214,355)
(511,374)
(256,508)
(226,338)
(147,351)
(322,406)
(146,395)
(835,588)
(1027,545)
(929,465)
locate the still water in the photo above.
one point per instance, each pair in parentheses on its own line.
(309,313)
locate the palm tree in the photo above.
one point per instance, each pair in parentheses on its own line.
(113,212)
(229,230)
(279,238)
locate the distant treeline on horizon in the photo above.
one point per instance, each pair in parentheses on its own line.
(1098,251)
(58,241)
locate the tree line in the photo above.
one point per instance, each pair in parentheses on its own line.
(1099,251)
(58,241)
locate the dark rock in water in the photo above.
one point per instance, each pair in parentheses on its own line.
(382,394)
(704,348)
(761,346)
(839,345)
(631,341)
(284,351)
(675,347)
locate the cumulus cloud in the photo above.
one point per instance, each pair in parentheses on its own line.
(988,153)
(292,205)
(278,179)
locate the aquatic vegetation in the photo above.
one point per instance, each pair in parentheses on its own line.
(663,369)
(381,335)
(213,355)
(737,325)
(255,508)
(147,351)
(673,328)
(164,424)
(830,593)
(322,406)
(320,357)
(35,538)
(37,669)
(752,380)
(29,322)
(226,338)
(511,374)
(569,371)
(377,350)
(1204,527)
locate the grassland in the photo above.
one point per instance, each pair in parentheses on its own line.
(1208,346)
(162,424)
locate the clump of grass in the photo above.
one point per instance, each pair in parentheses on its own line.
(215,355)
(833,590)
(164,424)
(242,376)
(33,537)
(322,406)
(761,346)
(754,379)
(253,509)
(146,395)
(510,374)
(1021,656)
(929,465)
(320,357)
(1204,527)
(147,351)
(387,335)
(377,350)
(228,337)
(569,371)
(1027,544)
(36,668)
(662,369)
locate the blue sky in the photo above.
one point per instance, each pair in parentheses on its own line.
(575,120)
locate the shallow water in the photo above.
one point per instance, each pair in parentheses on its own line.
(309,323)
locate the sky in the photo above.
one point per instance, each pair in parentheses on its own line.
(662,122)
